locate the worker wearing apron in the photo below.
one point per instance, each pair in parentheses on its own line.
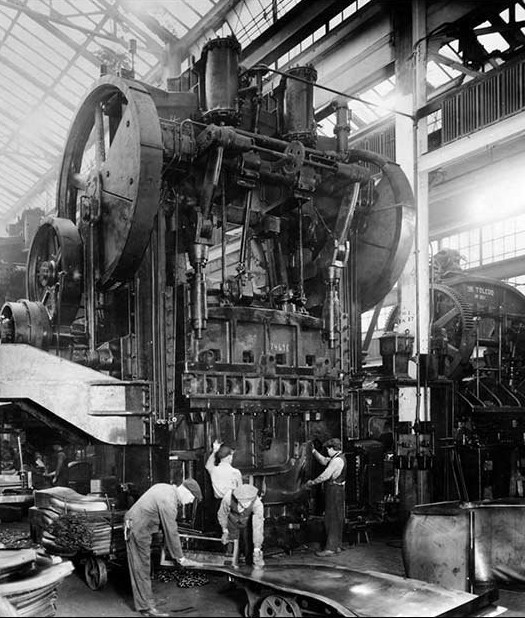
(333,477)
(241,516)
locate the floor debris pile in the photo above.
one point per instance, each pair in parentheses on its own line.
(184,578)
(12,538)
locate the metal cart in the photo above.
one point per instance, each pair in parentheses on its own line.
(108,547)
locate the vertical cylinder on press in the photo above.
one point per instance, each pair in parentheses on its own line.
(220,80)
(298,108)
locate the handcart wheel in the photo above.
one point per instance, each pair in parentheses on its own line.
(96,573)
(277,605)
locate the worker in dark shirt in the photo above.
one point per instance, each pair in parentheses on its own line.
(8,458)
(155,511)
(59,474)
(333,477)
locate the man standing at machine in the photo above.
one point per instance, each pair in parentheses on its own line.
(334,477)
(154,511)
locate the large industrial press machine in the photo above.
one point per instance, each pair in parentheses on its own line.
(204,276)
(203,279)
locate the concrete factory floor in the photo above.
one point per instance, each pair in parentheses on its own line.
(221,598)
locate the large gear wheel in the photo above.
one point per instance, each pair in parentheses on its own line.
(111,173)
(452,321)
(54,269)
(452,325)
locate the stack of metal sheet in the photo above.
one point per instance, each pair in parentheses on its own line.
(104,524)
(108,533)
(105,531)
(63,500)
(30,584)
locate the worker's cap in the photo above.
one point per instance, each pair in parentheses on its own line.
(334,443)
(193,486)
(245,492)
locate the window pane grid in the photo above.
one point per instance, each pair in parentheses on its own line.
(498,241)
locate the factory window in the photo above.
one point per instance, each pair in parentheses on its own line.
(490,243)
(504,239)
(434,127)
(517,282)
(381,98)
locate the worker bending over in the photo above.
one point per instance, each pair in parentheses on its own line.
(154,511)
(241,517)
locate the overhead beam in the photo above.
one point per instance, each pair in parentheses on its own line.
(352,57)
(32,79)
(355,56)
(301,21)
(454,64)
(55,17)
(513,35)
(52,172)
(449,11)
(353,73)
(38,188)
(213,20)
(45,23)
(150,22)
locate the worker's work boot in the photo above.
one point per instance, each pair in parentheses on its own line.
(258,560)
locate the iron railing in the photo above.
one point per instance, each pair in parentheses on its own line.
(483,102)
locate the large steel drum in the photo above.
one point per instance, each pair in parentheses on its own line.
(466,545)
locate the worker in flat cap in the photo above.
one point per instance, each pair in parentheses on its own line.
(333,476)
(241,517)
(155,511)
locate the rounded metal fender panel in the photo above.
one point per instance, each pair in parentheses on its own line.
(289,588)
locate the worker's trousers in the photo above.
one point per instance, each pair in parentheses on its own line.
(139,563)
(334,515)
